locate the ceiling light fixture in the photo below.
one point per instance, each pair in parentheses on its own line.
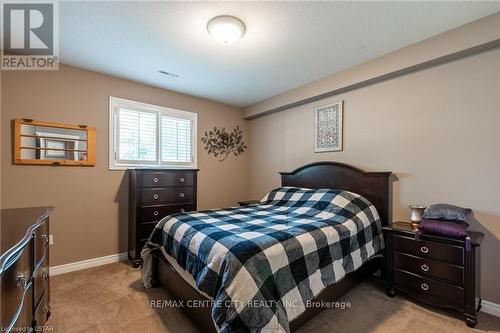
(226,29)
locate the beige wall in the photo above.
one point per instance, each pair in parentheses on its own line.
(438,130)
(0,140)
(90,219)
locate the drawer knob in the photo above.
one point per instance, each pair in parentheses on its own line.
(155,213)
(21,280)
(45,275)
(182,210)
(155,180)
(425,268)
(424,249)
(181,180)
(155,196)
(424,286)
(181,195)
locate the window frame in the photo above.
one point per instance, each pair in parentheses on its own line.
(116,103)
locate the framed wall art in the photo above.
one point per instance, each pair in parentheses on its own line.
(328,127)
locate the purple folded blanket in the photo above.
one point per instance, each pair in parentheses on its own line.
(444,228)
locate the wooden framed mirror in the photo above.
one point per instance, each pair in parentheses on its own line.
(47,143)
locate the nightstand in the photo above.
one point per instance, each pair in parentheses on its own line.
(248,202)
(436,270)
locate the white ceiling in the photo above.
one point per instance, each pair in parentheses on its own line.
(286,44)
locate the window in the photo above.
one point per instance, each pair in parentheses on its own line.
(144,135)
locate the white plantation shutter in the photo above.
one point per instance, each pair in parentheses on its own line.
(144,135)
(137,135)
(175,140)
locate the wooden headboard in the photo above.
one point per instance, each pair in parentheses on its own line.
(374,186)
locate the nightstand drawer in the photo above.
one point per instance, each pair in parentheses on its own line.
(430,290)
(432,250)
(431,268)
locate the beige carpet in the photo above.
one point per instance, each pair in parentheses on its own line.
(111,298)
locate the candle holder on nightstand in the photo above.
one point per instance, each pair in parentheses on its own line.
(416,212)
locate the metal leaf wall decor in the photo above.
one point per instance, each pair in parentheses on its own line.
(221,144)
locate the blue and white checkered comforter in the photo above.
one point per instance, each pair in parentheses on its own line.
(261,264)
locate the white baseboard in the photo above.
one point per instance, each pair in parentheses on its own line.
(89,263)
(490,308)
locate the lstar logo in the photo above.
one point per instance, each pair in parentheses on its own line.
(29,32)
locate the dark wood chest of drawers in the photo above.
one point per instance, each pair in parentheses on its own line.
(439,271)
(24,269)
(154,194)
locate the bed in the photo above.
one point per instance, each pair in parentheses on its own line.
(275,265)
